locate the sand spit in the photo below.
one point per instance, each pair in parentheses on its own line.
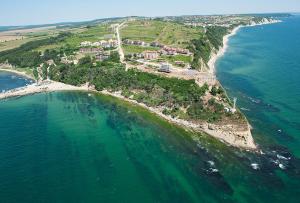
(45,86)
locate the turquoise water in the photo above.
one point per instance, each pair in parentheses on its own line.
(72,147)
(75,148)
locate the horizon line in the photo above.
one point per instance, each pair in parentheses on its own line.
(120,17)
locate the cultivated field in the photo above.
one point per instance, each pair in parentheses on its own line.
(92,34)
(130,49)
(167,33)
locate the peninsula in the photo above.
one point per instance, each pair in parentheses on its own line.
(166,65)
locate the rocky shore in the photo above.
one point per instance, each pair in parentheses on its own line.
(230,134)
(233,134)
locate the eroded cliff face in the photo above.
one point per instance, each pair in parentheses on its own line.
(233,134)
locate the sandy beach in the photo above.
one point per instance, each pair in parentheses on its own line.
(45,86)
(215,56)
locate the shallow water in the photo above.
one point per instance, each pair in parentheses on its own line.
(78,148)
(71,147)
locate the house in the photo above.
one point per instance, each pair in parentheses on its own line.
(135,42)
(170,50)
(96,44)
(165,67)
(85,44)
(183,51)
(90,50)
(113,43)
(128,42)
(102,56)
(150,55)
(105,44)
(156,44)
(179,63)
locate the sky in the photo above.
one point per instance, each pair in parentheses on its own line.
(30,12)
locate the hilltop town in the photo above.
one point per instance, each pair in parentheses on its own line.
(165,64)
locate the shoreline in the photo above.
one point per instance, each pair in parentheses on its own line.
(228,134)
(17,72)
(45,86)
(241,139)
(215,56)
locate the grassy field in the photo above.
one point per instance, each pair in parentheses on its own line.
(92,34)
(178,35)
(173,59)
(147,31)
(131,49)
(167,33)
(16,43)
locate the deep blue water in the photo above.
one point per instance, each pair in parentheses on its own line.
(75,147)
(262,69)
(10,81)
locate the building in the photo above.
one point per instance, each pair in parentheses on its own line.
(169,50)
(180,63)
(174,51)
(105,44)
(102,56)
(85,44)
(156,44)
(150,55)
(135,42)
(183,51)
(165,67)
(90,50)
(96,44)
(113,43)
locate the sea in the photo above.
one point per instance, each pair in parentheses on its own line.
(81,147)
(10,81)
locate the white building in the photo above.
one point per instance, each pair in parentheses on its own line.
(165,67)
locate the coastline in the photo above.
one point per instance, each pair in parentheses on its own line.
(233,135)
(216,55)
(45,86)
(227,134)
(17,73)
